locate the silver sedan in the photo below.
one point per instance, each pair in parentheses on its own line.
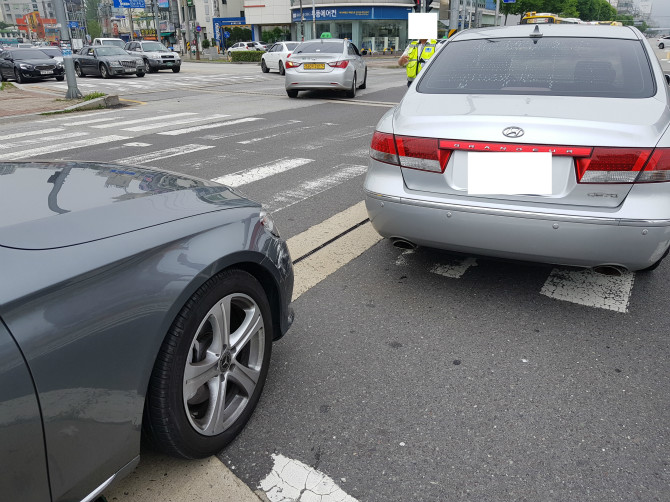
(326,64)
(547,144)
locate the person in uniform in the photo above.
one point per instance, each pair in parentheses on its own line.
(416,53)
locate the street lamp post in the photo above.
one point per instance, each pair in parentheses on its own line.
(72,90)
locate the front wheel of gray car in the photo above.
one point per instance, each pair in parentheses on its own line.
(60,78)
(104,72)
(661,46)
(78,70)
(211,368)
(175,69)
(140,74)
(292,93)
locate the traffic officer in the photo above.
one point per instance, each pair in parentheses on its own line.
(416,53)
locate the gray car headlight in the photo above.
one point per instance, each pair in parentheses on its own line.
(115,63)
(268,222)
(25,66)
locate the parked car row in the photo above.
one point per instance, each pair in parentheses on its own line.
(23,65)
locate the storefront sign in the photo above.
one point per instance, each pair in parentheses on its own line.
(129,4)
(350,13)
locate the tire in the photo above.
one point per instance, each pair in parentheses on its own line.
(292,93)
(60,78)
(104,72)
(282,71)
(2,77)
(78,70)
(140,74)
(178,415)
(351,93)
(19,78)
(176,69)
(364,85)
(661,45)
(264,67)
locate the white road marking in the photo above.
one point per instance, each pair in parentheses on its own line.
(59,148)
(305,242)
(343,172)
(82,115)
(214,137)
(163,154)
(316,267)
(402,261)
(292,481)
(250,175)
(136,143)
(33,141)
(145,119)
(283,133)
(90,121)
(456,269)
(586,287)
(30,133)
(187,130)
(173,122)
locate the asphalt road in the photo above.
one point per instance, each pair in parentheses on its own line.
(407,375)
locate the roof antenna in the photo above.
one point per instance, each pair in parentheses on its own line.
(536,32)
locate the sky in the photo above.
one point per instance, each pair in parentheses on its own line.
(660,13)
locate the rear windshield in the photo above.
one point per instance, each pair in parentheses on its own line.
(320,47)
(291,46)
(593,67)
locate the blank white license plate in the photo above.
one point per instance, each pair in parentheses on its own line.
(46,72)
(130,70)
(509,173)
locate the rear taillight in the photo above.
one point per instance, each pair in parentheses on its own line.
(339,64)
(292,64)
(612,165)
(383,148)
(408,151)
(658,167)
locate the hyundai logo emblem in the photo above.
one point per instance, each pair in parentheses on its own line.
(513,132)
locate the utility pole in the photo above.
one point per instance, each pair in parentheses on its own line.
(72,90)
(187,19)
(495,21)
(453,15)
(132,27)
(313,20)
(302,23)
(154,4)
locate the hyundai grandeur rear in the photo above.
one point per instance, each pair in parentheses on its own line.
(546,144)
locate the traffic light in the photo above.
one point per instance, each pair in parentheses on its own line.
(417,5)
(428,7)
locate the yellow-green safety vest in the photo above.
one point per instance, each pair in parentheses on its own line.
(414,66)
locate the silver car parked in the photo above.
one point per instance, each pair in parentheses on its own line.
(541,143)
(325,64)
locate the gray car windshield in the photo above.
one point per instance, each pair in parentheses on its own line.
(154,47)
(320,48)
(111,51)
(558,66)
(25,54)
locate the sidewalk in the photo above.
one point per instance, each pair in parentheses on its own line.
(15,101)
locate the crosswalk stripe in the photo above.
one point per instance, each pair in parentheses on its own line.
(586,287)
(59,148)
(250,175)
(163,154)
(81,115)
(89,121)
(145,119)
(343,172)
(187,130)
(173,122)
(257,129)
(319,234)
(30,133)
(32,141)
(282,133)
(316,267)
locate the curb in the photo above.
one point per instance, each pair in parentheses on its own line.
(94,104)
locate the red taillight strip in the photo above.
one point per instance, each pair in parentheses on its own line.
(292,64)
(383,148)
(479,146)
(339,64)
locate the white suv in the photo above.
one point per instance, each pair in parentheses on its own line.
(156,56)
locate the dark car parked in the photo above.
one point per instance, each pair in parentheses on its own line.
(106,61)
(23,65)
(133,302)
(155,55)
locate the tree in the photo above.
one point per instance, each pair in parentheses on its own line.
(205,43)
(238,35)
(94,28)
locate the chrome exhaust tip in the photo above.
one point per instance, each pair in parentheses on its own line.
(611,270)
(403,243)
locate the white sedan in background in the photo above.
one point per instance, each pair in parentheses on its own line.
(274,58)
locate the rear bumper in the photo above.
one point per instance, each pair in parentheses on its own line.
(340,81)
(556,238)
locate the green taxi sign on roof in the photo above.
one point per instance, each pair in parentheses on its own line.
(326,34)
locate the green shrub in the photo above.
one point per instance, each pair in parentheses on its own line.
(251,56)
(205,44)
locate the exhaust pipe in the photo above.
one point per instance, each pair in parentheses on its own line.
(403,243)
(611,270)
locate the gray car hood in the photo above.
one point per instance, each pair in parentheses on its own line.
(52,205)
